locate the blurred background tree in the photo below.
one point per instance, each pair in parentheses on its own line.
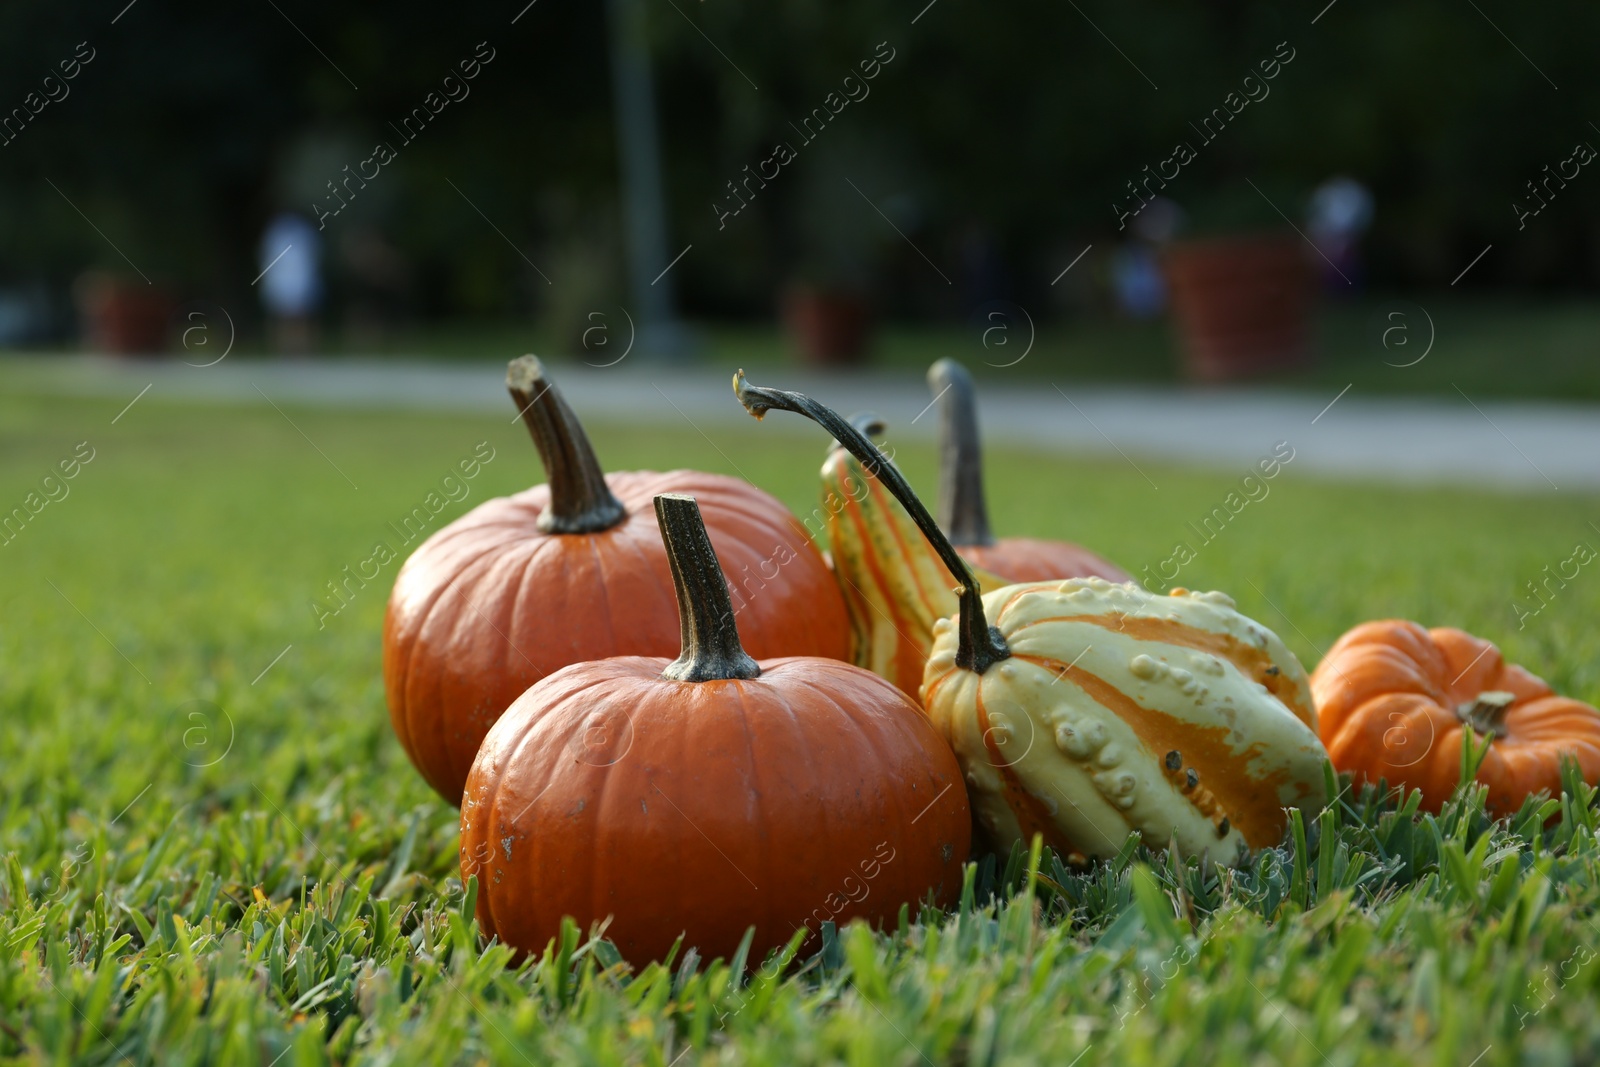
(997,141)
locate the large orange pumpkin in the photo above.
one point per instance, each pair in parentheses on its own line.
(1394,701)
(963,512)
(522,586)
(708,794)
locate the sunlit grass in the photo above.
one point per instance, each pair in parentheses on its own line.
(216,851)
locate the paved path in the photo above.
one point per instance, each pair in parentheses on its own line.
(1537,446)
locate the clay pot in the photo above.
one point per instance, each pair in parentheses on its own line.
(122,316)
(1242,305)
(829,327)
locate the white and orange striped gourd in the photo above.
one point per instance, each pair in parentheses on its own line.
(1118,710)
(894,586)
(1092,710)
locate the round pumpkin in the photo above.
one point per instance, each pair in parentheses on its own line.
(1091,709)
(963,511)
(1396,701)
(702,796)
(572,571)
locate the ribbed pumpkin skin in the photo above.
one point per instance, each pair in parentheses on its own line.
(490,604)
(1387,694)
(894,586)
(815,791)
(1070,737)
(1028,559)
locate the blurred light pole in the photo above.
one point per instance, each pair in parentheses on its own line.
(644,209)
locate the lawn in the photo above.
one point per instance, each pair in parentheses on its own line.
(215,851)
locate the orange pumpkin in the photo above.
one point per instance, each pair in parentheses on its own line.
(963,513)
(708,794)
(522,586)
(1394,701)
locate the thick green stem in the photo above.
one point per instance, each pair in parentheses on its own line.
(710,648)
(981,645)
(962,512)
(580,500)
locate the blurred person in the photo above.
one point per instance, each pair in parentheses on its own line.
(1136,279)
(291,280)
(1340,211)
(24,314)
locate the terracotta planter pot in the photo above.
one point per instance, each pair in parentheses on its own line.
(124,317)
(1242,305)
(828,327)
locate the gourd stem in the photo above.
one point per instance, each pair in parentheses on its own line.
(981,645)
(869,424)
(711,648)
(962,511)
(1487,713)
(580,500)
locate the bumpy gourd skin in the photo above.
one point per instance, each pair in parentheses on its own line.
(1175,717)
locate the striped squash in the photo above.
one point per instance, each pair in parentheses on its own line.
(894,586)
(1118,710)
(1092,709)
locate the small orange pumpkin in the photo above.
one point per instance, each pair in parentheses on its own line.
(963,513)
(1394,701)
(709,794)
(523,585)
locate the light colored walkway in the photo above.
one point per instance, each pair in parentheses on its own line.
(1473,441)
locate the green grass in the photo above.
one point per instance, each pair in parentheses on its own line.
(210,860)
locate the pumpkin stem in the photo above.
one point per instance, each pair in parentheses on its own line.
(711,648)
(1487,714)
(962,512)
(580,500)
(981,645)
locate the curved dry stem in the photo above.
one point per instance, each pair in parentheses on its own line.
(981,645)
